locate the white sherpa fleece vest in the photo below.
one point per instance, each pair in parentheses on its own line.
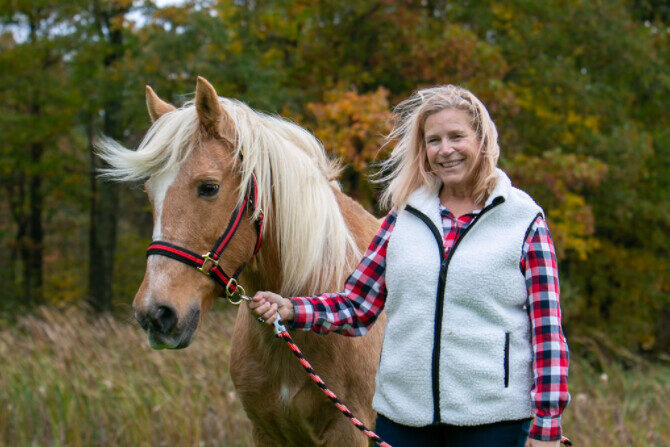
(478,370)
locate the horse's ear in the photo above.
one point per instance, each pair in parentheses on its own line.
(212,116)
(156,106)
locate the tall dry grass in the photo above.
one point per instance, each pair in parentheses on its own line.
(69,379)
(623,402)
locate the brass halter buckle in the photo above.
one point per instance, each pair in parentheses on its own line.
(208,257)
(235,297)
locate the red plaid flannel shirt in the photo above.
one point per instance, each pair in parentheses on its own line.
(353,311)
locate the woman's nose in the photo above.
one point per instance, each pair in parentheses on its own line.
(446,147)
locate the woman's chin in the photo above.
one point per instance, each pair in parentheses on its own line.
(453,180)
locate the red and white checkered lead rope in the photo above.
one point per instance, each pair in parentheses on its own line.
(281,332)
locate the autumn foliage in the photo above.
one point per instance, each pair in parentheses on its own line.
(579,91)
(352,126)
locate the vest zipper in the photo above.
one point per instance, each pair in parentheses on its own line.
(439,301)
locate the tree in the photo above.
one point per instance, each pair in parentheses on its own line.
(37,114)
(352,127)
(588,81)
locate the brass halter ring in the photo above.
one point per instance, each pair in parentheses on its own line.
(235,297)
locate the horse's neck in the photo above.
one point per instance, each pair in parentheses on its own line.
(362,225)
(266,273)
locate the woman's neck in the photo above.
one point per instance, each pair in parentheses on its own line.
(458,202)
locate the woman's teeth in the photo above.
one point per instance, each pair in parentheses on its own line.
(450,164)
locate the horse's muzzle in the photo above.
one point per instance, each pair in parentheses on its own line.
(164,328)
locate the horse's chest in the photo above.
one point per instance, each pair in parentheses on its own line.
(290,413)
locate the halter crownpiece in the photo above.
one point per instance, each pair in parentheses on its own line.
(208,264)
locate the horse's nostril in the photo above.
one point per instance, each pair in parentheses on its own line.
(164,319)
(142,319)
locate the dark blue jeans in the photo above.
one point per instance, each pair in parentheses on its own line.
(499,434)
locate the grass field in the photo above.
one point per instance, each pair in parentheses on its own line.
(69,379)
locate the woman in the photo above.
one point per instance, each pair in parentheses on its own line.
(465,268)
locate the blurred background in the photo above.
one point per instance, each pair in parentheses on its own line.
(579,90)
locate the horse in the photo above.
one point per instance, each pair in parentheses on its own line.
(199,162)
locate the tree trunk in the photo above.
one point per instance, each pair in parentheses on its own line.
(104,207)
(102,240)
(16,192)
(105,197)
(30,226)
(33,262)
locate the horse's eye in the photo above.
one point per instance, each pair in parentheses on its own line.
(208,189)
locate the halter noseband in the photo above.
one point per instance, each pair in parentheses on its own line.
(208,264)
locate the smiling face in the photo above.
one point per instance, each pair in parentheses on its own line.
(452,149)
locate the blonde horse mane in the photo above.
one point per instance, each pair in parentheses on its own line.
(296,183)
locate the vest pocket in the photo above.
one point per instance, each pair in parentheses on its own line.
(506,360)
(471,373)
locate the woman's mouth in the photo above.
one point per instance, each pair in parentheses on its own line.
(450,164)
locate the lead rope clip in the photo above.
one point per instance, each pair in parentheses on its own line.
(279,327)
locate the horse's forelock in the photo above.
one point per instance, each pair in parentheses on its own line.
(166,144)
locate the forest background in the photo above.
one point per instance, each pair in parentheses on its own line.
(579,90)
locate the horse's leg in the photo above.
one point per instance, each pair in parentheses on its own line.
(263,440)
(342,432)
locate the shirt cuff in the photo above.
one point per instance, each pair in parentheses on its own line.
(303,314)
(546,428)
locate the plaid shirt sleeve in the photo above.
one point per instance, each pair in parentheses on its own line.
(354,310)
(550,350)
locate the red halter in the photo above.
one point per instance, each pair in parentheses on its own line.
(208,263)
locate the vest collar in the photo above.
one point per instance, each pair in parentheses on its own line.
(502,188)
(426,199)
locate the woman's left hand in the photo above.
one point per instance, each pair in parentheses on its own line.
(537,443)
(269,306)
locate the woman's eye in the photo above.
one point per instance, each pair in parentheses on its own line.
(208,190)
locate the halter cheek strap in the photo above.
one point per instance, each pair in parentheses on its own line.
(208,264)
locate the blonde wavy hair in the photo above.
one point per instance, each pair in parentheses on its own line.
(407,167)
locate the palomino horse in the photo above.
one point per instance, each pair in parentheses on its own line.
(199,161)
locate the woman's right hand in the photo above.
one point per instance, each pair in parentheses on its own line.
(267,305)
